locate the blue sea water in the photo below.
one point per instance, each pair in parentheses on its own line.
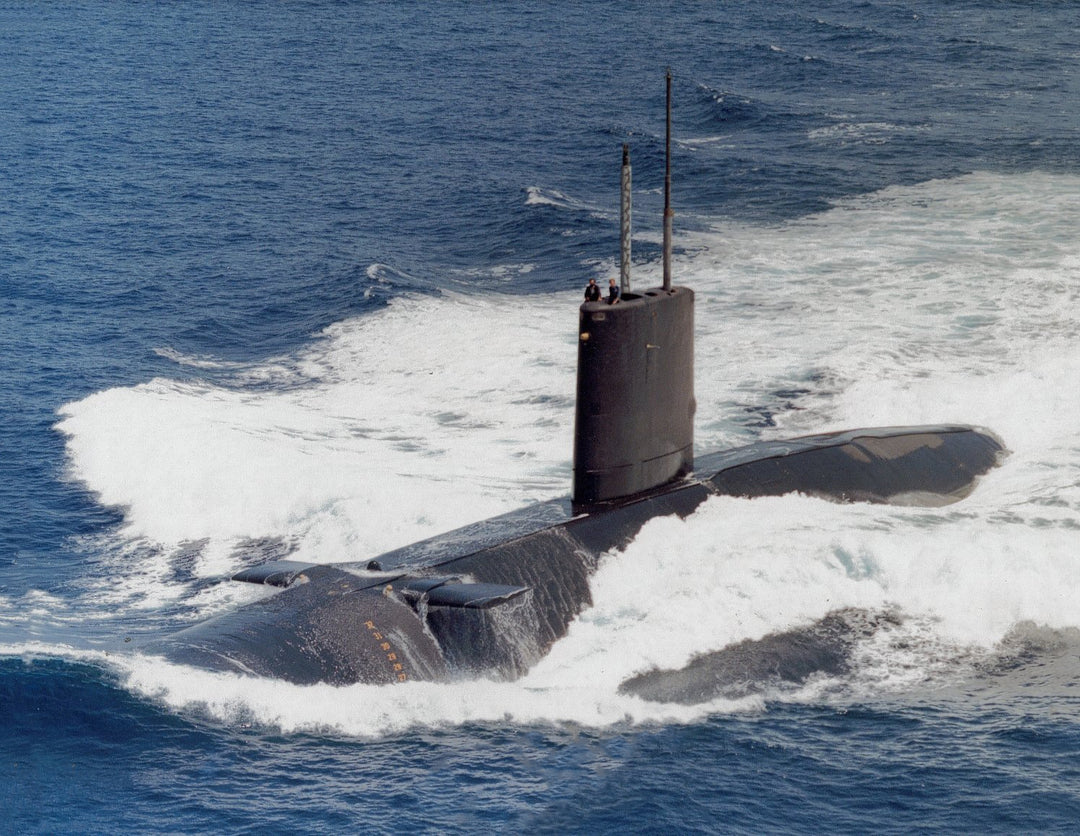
(308,273)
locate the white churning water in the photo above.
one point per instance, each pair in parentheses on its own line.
(949,301)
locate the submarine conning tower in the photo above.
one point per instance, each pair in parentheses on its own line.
(634,424)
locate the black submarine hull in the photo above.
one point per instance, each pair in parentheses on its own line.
(489,599)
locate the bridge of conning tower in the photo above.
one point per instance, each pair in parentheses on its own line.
(634,424)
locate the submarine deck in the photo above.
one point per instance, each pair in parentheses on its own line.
(904,465)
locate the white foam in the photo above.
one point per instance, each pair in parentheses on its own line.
(367,710)
(182,359)
(406,423)
(872,133)
(950,301)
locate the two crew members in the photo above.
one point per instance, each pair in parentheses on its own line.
(592,292)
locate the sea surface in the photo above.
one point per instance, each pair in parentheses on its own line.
(303,277)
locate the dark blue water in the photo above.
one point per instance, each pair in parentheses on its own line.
(225,180)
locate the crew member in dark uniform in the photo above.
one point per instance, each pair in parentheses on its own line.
(612,292)
(592,291)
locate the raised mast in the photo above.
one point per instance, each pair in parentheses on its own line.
(624,222)
(668,213)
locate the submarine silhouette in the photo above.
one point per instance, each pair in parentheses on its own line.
(490,599)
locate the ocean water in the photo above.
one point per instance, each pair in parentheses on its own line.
(303,277)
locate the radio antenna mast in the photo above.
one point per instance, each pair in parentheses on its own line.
(668,213)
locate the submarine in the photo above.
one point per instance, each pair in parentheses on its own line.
(490,599)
